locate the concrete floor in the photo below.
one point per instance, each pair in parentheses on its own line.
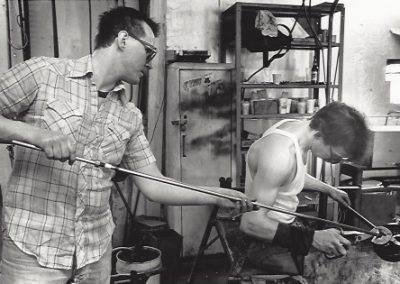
(210,270)
(215,270)
(361,266)
(205,277)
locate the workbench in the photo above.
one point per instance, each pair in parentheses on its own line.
(360,265)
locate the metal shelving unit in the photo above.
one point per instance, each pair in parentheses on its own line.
(232,37)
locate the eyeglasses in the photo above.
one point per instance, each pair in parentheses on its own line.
(150,49)
(336,157)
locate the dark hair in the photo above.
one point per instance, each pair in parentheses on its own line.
(118,19)
(343,126)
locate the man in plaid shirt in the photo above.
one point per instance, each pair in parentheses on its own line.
(56,214)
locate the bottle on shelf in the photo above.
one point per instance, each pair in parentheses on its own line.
(314,72)
(245,107)
(301,106)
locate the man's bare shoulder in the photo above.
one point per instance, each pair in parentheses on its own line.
(273,143)
(273,150)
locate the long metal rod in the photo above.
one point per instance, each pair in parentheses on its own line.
(206,191)
(351,208)
(360,216)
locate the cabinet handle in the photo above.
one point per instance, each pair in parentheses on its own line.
(183,145)
(181,122)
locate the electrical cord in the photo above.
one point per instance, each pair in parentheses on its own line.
(256,72)
(132,215)
(134,225)
(124,200)
(158,118)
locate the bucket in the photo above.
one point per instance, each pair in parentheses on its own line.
(148,261)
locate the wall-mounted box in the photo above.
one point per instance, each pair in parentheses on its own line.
(385,147)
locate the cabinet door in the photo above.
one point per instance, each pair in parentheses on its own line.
(205,137)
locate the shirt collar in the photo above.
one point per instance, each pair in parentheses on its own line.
(83,67)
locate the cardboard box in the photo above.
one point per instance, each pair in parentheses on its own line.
(264,106)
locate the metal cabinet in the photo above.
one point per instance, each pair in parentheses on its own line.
(199,135)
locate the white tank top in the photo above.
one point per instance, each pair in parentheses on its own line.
(287,195)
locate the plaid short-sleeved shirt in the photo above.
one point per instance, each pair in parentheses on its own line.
(53,209)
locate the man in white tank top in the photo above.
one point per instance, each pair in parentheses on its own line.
(276,174)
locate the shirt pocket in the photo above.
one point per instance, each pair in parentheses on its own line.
(114,143)
(62,116)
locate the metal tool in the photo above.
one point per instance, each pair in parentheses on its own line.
(355,237)
(206,191)
(359,215)
(386,234)
(384,238)
(388,250)
(352,209)
(358,237)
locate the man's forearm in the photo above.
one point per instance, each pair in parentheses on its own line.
(258,225)
(340,196)
(173,195)
(311,183)
(297,239)
(167,193)
(16,130)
